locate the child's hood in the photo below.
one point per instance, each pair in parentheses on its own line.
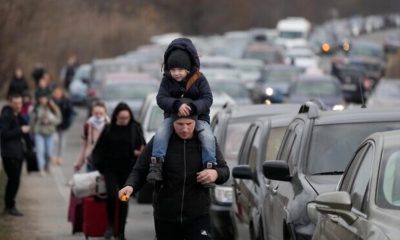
(184,44)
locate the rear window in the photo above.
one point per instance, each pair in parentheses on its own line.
(332,146)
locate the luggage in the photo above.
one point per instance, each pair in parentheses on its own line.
(95,217)
(88,184)
(75,213)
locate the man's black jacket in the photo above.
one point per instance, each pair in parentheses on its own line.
(179,196)
(11,134)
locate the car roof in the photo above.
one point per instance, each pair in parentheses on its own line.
(260,109)
(358,115)
(129,77)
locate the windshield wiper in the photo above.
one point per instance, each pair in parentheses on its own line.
(329,173)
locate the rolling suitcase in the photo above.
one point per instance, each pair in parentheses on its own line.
(95,217)
(75,213)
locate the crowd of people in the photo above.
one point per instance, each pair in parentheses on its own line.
(182,161)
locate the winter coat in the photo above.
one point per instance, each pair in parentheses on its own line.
(67,113)
(17,86)
(179,197)
(11,134)
(44,121)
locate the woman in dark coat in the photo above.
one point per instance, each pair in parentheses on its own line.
(18,83)
(114,155)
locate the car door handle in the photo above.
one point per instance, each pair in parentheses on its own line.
(275,190)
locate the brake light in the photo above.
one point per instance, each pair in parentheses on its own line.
(367,84)
(325,47)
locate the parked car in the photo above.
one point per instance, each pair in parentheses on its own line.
(130,88)
(301,57)
(274,83)
(265,52)
(324,87)
(315,150)
(367,203)
(79,84)
(235,89)
(261,142)
(385,94)
(229,126)
(150,116)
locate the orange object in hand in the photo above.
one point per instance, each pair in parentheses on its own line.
(124,198)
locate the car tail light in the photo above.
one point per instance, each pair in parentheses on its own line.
(326,47)
(367,84)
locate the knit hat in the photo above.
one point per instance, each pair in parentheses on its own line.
(192,115)
(179,59)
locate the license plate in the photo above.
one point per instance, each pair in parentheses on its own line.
(349,87)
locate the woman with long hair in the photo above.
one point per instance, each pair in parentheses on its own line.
(114,155)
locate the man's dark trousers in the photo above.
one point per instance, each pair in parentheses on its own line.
(196,229)
(12,168)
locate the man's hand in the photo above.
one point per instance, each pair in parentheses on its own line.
(207,176)
(184,110)
(126,191)
(25,129)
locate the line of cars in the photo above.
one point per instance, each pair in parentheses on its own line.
(288,161)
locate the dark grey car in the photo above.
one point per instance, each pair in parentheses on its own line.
(367,205)
(315,150)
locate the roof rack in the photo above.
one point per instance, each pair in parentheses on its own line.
(311,108)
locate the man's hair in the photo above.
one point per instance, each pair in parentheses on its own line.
(14,95)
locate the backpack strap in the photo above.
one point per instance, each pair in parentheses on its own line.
(192,80)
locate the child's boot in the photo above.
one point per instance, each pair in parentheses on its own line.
(155,170)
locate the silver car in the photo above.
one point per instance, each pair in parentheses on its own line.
(367,205)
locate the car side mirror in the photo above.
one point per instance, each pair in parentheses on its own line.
(336,203)
(242,172)
(277,170)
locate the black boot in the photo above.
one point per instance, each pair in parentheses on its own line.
(155,170)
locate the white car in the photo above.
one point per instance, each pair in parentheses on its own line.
(301,57)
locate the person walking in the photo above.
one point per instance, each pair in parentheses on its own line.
(181,203)
(68,71)
(38,72)
(182,79)
(114,155)
(18,83)
(13,132)
(91,132)
(44,119)
(67,113)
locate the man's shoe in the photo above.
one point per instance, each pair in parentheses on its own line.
(155,170)
(109,233)
(14,212)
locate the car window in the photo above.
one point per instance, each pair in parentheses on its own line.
(332,145)
(234,136)
(294,150)
(246,145)
(254,150)
(359,189)
(352,168)
(388,192)
(274,142)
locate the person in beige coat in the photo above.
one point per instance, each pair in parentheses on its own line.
(44,120)
(91,132)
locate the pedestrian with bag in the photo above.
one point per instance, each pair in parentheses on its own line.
(91,132)
(181,202)
(44,120)
(114,155)
(183,79)
(13,132)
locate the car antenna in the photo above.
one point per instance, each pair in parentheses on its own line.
(362,95)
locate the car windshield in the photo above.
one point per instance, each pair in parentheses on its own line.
(388,194)
(233,89)
(388,90)
(290,34)
(156,117)
(234,136)
(315,88)
(127,91)
(332,146)
(366,51)
(280,76)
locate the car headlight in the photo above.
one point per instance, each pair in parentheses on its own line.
(338,107)
(223,194)
(326,47)
(269,91)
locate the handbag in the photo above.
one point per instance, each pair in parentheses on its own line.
(88,184)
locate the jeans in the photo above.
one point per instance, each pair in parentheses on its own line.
(195,229)
(205,134)
(12,168)
(44,149)
(60,141)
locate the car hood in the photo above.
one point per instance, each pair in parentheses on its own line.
(324,183)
